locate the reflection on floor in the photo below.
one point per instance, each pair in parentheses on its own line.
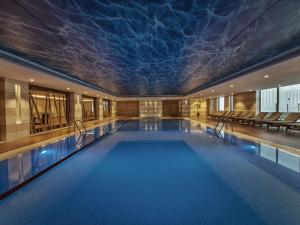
(42,138)
(290,140)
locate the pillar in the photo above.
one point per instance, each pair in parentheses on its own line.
(113,109)
(99,104)
(14,109)
(75,106)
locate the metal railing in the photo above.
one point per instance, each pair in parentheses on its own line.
(78,127)
(82,132)
(224,122)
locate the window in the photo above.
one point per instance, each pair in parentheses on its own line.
(221,105)
(48,109)
(289,98)
(268,100)
(88,108)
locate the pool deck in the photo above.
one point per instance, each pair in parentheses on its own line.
(11,148)
(278,139)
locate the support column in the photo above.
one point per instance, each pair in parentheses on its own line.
(14,109)
(99,104)
(75,107)
(113,109)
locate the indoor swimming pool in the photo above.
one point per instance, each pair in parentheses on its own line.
(151,171)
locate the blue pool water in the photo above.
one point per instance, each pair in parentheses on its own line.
(154,171)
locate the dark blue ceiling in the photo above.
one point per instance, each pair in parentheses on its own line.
(150,47)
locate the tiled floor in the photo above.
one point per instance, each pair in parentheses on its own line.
(39,139)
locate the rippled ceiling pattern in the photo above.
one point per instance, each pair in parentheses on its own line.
(149,47)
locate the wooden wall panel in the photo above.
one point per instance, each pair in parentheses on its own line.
(170,108)
(127,108)
(245,101)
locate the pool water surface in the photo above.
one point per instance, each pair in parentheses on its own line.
(163,172)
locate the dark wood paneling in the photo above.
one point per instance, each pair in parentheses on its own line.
(170,108)
(127,108)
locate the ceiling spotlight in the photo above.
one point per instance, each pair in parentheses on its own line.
(68,88)
(266,76)
(250,90)
(279,85)
(231,85)
(31,80)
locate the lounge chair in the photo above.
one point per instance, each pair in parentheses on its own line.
(232,114)
(290,119)
(259,116)
(272,117)
(237,117)
(292,126)
(245,116)
(218,113)
(224,115)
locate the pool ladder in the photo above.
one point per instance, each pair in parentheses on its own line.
(82,132)
(223,122)
(78,127)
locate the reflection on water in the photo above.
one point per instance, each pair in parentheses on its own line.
(273,154)
(157,124)
(20,168)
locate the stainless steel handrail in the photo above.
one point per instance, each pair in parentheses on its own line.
(81,125)
(78,128)
(222,122)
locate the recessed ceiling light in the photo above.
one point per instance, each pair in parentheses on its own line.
(231,85)
(232,93)
(200,93)
(97,95)
(279,85)
(266,76)
(68,88)
(250,90)
(85,92)
(212,90)
(31,80)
